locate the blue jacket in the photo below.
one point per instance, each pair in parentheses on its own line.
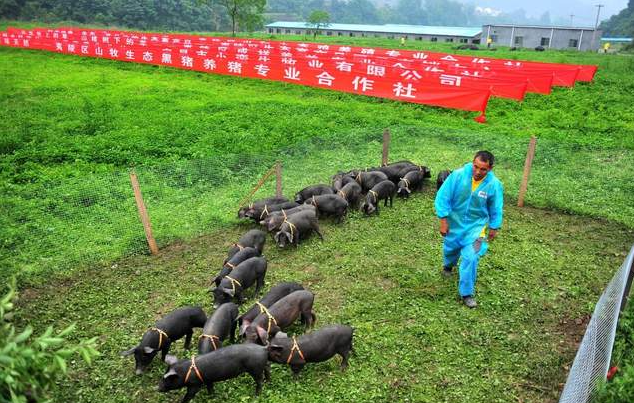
(468,212)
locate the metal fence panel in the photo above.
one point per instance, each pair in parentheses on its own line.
(593,357)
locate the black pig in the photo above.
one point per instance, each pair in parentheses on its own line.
(220,365)
(297,226)
(275,219)
(260,213)
(260,203)
(317,346)
(333,205)
(254,239)
(281,315)
(382,191)
(442,177)
(220,325)
(242,277)
(229,265)
(413,180)
(368,180)
(167,330)
(422,168)
(351,192)
(278,292)
(310,191)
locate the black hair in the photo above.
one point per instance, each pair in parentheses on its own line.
(485,156)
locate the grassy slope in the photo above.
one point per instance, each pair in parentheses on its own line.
(70,122)
(381,275)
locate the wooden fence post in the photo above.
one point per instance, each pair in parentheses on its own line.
(386,146)
(145,219)
(527,171)
(258,185)
(278,178)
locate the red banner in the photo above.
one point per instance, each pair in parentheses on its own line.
(459,82)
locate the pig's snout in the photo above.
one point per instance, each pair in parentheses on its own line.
(139,371)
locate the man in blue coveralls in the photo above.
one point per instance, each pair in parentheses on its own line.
(468,203)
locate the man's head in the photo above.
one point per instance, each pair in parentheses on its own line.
(482,164)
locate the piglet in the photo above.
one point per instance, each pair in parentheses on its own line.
(333,205)
(442,177)
(242,277)
(351,192)
(253,238)
(281,315)
(426,172)
(232,263)
(170,328)
(382,191)
(274,221)
(317,346)
(310,191)
(220,325)
(259,213)
(260,203)
(296,227)
(278,292)
(220,365)
(413,180)
(367,180)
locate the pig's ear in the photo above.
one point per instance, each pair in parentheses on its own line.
(171,359)
(128,352)
(408,191)
(277,237)
(229,291)
(148,350)
(170,373)
(262,334)
(243,330)
(290,240)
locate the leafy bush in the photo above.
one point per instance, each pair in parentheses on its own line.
(29,366)
(621,388)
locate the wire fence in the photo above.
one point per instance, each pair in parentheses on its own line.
(56,225)
(592,361)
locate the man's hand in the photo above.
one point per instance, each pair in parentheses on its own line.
(492,234)
(444,227)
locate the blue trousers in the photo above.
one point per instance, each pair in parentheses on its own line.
(468,271)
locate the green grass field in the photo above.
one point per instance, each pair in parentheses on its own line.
(72,127)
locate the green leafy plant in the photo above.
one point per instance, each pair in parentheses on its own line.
(29,366)
(620,389)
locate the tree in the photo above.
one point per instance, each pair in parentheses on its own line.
(318,19)
(245,13)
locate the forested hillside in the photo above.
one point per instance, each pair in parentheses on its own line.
(191,15)
(621,24)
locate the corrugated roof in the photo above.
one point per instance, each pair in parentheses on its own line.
(538,26)
(387,28)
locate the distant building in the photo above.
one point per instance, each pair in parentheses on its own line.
(531,36)
(393,31)
(519,36)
